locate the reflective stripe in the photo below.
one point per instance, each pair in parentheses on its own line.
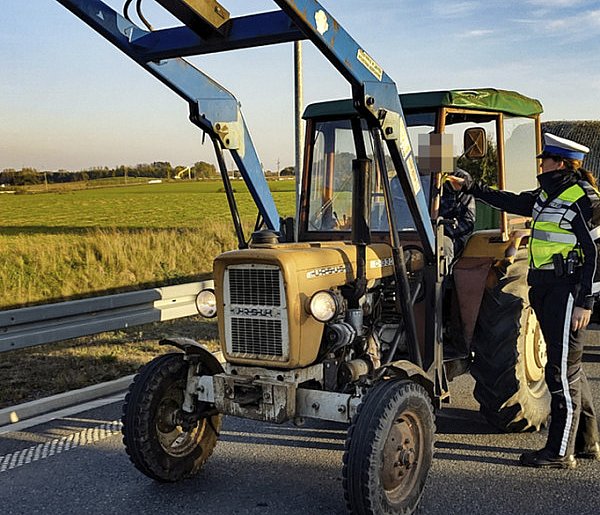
(595,288)
(553,211)
(554,237)
(549,217)
(549,266)
(570,214)
(589,189)
(595,233)
(563,377)
(557,204)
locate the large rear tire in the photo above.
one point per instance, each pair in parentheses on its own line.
(510,355)
(159,439)
(389,450)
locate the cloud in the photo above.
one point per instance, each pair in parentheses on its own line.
(478,33)
(453,10)
(579,26)
(549,4)
(583,21)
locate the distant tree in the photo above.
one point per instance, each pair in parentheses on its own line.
(162,169)
(288,171)
(203,170)
(7,176)
(484,169)
(28,176)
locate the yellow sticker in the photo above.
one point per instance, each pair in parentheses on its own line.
(409,159)
(370,64)
(405,146)
(413,174)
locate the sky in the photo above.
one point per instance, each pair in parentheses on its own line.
(70,100)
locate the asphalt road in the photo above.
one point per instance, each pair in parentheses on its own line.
(78,465)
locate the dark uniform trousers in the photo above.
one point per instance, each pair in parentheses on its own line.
(573,424)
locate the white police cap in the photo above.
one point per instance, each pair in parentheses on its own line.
(563,147)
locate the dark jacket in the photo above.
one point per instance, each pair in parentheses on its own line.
(458,206)
(586,223)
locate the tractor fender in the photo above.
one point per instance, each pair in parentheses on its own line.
(407,370)
(193,348)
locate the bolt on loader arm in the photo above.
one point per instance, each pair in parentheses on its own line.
(208,29)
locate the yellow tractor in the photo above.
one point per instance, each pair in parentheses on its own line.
(354,312)
(321,328)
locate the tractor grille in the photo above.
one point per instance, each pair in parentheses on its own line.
(255,313)
(254,286)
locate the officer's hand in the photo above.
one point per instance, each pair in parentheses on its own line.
(581,318)
(457,183)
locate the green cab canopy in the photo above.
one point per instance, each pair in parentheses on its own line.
(496,100)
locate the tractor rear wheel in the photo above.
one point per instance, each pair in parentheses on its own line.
(389,450)
(510,355)
(164,442)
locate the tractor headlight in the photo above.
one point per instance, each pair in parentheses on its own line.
(324,306)
(206,303)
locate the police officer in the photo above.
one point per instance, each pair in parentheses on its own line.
(564,278)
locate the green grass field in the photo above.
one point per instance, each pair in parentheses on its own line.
(166,205)
(77,243)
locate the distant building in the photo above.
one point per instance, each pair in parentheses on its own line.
(586,132)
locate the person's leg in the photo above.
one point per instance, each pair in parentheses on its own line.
(554,307)
(563,372)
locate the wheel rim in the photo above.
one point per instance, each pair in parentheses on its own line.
(535,350)
(171,436)
(402,457)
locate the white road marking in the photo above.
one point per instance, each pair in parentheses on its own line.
(59,445)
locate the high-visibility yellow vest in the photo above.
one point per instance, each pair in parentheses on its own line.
(551,231)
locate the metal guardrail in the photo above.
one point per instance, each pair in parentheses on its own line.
(36,325)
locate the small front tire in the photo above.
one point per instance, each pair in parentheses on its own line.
(158,441)
(389,450)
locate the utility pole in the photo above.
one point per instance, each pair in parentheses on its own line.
(299,129)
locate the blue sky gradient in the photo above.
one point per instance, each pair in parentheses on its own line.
(69,99)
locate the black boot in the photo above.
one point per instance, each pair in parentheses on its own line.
(547,459)
(589,452)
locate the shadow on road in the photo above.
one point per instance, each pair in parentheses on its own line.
(462,421)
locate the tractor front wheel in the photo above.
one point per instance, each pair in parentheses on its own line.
(389,450)
(164,442)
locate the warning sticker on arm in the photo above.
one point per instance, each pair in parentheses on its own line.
(370,64)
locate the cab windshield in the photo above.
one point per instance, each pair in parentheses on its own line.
(330,193)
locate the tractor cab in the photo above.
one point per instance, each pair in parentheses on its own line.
(494,135)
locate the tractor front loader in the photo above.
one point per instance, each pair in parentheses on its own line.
(356,315)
